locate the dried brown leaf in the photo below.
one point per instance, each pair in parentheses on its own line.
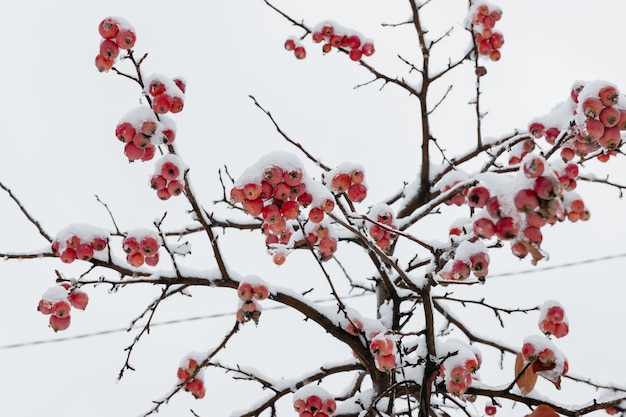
(526,382)
(543,410)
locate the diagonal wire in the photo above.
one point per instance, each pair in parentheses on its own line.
(279,307)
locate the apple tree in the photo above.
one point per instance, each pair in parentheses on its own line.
(418,345)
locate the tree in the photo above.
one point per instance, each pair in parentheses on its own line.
(402,352)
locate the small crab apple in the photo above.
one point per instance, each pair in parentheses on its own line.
(163,194)
(61,308)
(484,228)
(460,270)
(534,167)
(253,207)
(290,44)
(611,138)
(84,252)
(299,52)
(341,182)
(381,345)
(133,152)
(526,200)
(592,106)
(385,363)
(125,38)
(528,351)
(328,205)
(490,410)
(44,307)
(293,177)
(178,104)
(260,292)
(609,95)
(478,196)
(152,260)
(130,244)
(609,116)
(328,246)
(271,213)
(316,214)
(135,259)
(103,64)
(290,210)
(519,249)
(108,28)
(68,255)
(245,291)
(279,258)
(305,199)
(536,129)
(329,406)
(493,207)
(479,263)
(313,404)
(148,245)
(506,228)
(162,103)
(59,323)
(356,54)
(78,299)
(170,171)
(125,132)
(546,188)
(533,235)
(158,182)
(357,192)
(109,49)
(273,174)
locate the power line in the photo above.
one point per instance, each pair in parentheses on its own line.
(230,314)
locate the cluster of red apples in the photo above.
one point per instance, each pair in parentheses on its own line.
(141,132)
(167,94)
(598,122)
(76,242)
(552,319)
(57,302)
(458,369)
(547,361)
(250,291)
(168,179)
(351,183)
(194,385)
(483,17)
(333,36)
(116,34)
(383,348)
(314,402)
(142,246)
(382,231)
(543,194)
(277,194)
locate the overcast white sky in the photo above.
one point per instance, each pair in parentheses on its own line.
(58,120)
